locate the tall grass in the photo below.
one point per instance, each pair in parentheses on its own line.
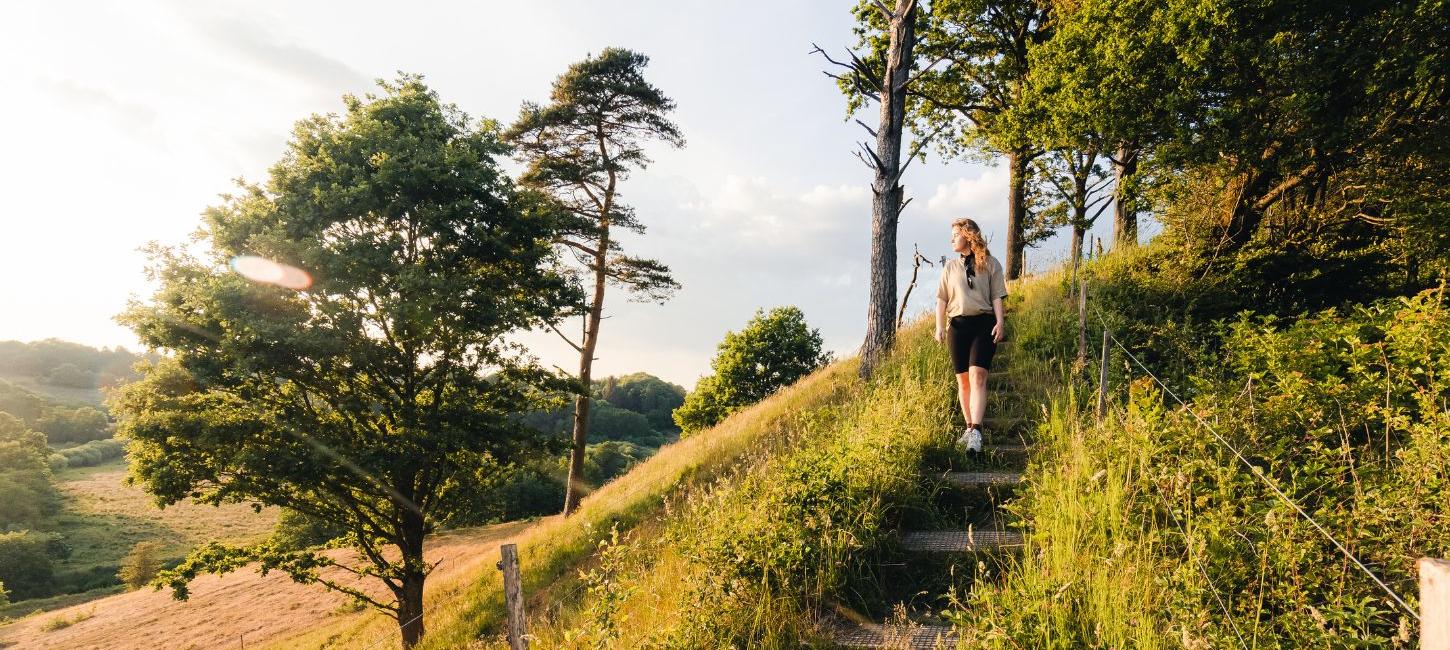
(751,559)
(462,611)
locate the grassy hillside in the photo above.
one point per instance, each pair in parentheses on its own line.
(101,518)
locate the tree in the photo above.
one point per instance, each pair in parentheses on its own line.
(1077,182)
(141,565)
(578,148)
(773,351)
(884,75)
(363,397)
(24,475)
(646,394)
(978,94)
(26,568)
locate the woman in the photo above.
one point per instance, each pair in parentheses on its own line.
(970,294)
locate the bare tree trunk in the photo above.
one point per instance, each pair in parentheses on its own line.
(572,490)
(410,597)
(1077,235)
(1125,218)
(1016,210)
(886,188)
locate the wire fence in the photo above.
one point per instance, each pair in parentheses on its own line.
(1254,470)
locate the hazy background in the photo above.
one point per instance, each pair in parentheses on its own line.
(129,118)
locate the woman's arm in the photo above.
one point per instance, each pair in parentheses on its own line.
(941,319)
(1000,329)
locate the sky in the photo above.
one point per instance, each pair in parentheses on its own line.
(127,119)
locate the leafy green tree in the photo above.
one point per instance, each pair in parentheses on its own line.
(578,148)
(26,568)
(773,350)
(606,460)
(364,397)
(80,424)
(976,96)
(646,394)
(24,475)
(141,565)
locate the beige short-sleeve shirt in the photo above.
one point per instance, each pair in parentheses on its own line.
(965,299)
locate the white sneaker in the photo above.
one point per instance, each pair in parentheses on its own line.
(971,439)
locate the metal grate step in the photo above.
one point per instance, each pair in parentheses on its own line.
(983,479)
(916,637)
(959,541)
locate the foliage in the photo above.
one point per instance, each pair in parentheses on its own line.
(26,566)
(774,349)
(63,622)
(25,477)
(60,423)
(4,595)
(141,565)
(603,461)
(358,399)
(92,453)
(645,394)
(295,531)
(1343,409)
(625,408)
(67,364)
(577,149)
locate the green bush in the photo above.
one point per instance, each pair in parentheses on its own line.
(93,453)
(1343,409)
(773,350)
(26,568)
(141,564)
(25,479)
(296,531)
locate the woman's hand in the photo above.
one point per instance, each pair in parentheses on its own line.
(940,335)
(998,331)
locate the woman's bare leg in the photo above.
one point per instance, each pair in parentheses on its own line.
(978,384)
(964,395)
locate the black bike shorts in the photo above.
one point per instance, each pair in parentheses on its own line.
(970,340)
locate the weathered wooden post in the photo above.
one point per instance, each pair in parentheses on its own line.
(1434,603)
(513,596)
(1082,324)
(1103,378)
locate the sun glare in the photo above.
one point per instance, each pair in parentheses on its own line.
(259,269)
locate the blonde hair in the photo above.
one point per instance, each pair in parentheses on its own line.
(973,234)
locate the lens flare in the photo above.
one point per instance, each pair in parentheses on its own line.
(260,269)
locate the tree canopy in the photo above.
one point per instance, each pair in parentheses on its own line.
(773,350)
(358,398)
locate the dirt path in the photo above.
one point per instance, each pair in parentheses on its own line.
(237,610)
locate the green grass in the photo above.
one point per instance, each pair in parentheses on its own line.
(102,518)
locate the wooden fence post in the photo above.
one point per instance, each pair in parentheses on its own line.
(1103,378)
(513,596)
(1434,604)
(1082,324)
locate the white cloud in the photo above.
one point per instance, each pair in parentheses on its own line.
(982,197)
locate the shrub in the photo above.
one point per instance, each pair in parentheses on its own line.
(25,484)
(93,453)
(296,531)
(141,565)
(773,350)
(26,568)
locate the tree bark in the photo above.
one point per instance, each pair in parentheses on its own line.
(1077,235)
(410,596)
(572,491)
(886,188)
(1016,210)
(1125,218)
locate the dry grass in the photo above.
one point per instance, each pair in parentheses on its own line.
(103,518)
(469,603)
(243,607)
